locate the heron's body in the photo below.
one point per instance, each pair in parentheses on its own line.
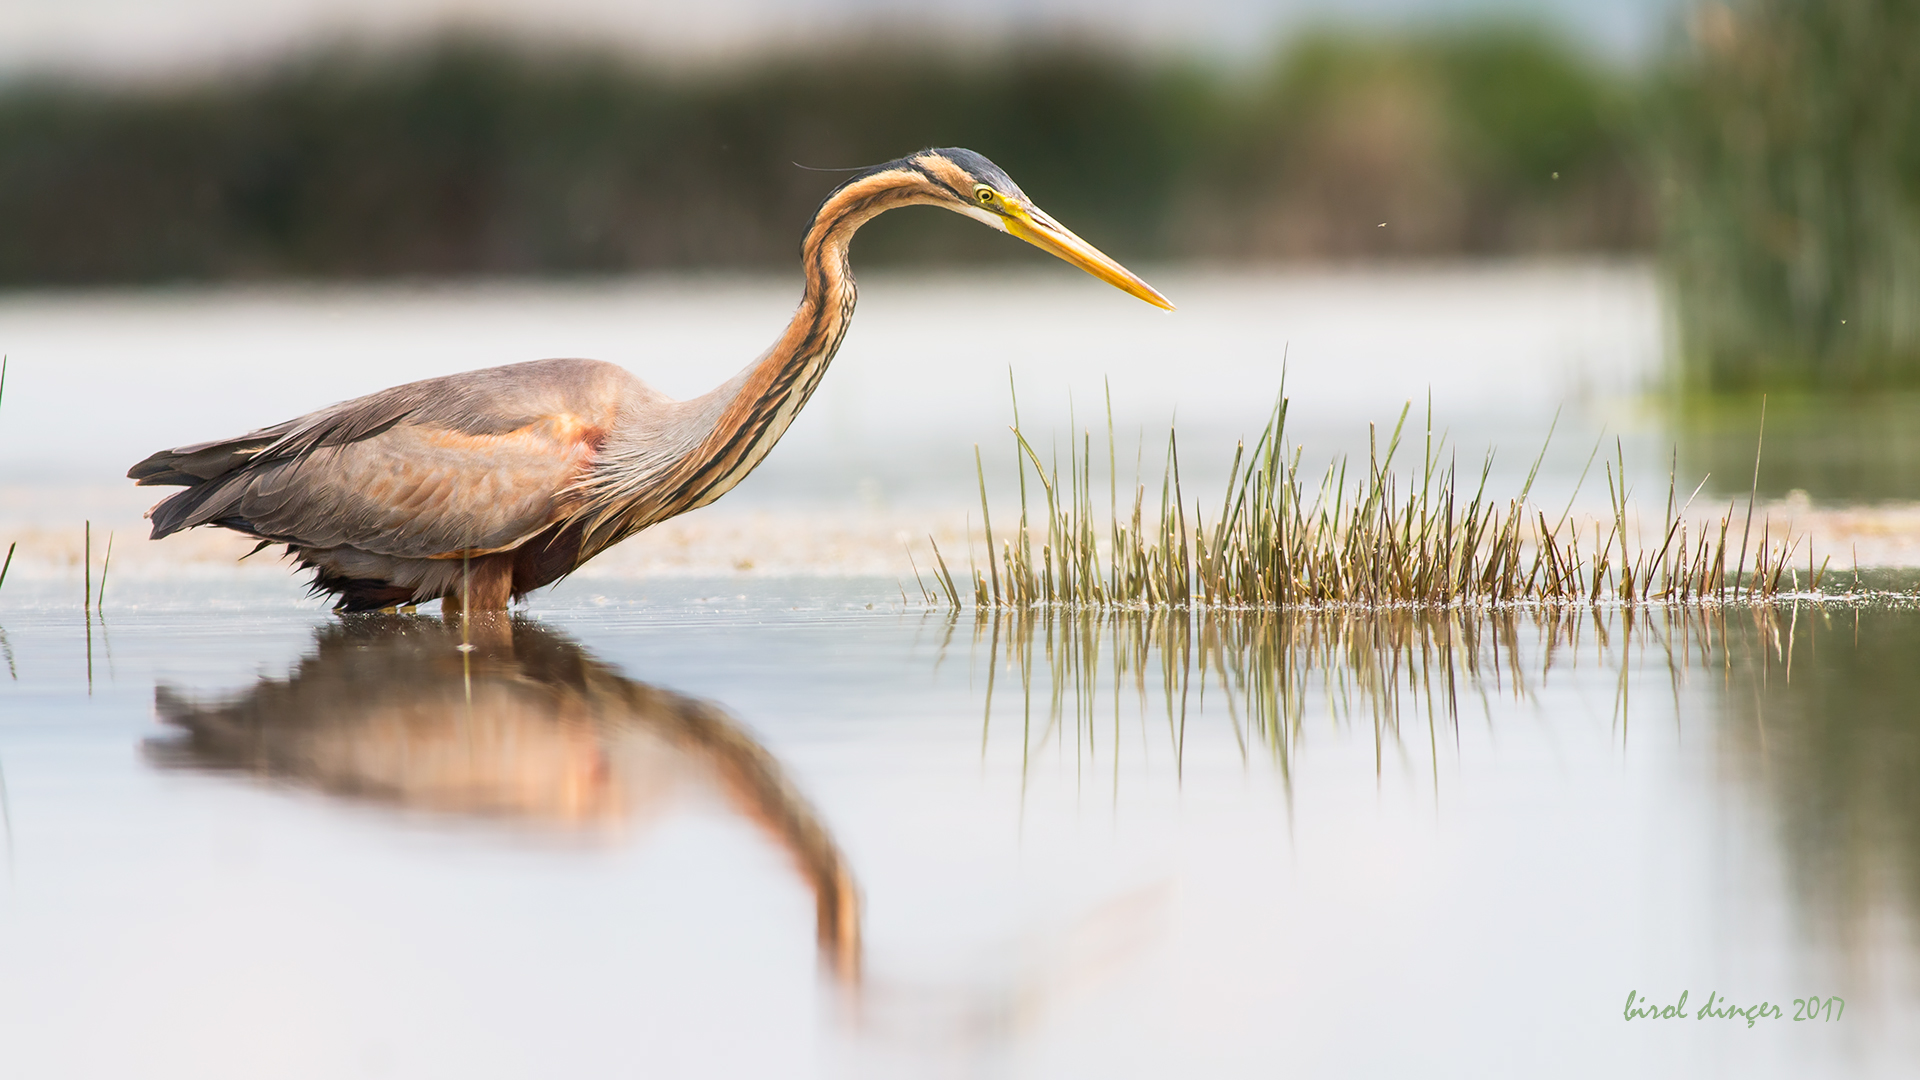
(489,484)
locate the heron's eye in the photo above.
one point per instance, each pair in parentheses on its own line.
(984,194)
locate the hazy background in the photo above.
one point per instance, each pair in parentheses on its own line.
(119,38)
(1765,149)
(485,152)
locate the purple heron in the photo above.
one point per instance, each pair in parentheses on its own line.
(492,483)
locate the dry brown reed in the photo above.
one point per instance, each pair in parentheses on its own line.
(1278,540)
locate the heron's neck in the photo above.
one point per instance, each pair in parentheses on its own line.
(757,406)
(743,417)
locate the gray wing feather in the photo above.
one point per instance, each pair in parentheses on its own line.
(470,461)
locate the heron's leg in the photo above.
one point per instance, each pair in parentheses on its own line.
(487,585)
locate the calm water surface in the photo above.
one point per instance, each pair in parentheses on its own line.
(693,832)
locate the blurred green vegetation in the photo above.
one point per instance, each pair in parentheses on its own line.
(470,156)
(1837,448)
(1788,138)
(1491,139)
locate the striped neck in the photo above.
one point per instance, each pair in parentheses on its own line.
(752,410)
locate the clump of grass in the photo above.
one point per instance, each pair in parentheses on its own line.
(1278,539)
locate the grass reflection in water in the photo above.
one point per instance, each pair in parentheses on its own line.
(1392,669)
(1809,705)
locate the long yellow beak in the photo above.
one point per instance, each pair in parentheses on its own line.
(1056,239)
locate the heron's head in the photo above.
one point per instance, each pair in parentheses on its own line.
(967,183)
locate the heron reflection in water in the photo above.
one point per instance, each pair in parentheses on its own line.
(525,725)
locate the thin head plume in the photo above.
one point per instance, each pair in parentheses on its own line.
(821,168)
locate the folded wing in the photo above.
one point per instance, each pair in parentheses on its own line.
(467,463)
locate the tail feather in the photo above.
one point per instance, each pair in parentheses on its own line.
(188,465)
(213,474)
(210,502)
